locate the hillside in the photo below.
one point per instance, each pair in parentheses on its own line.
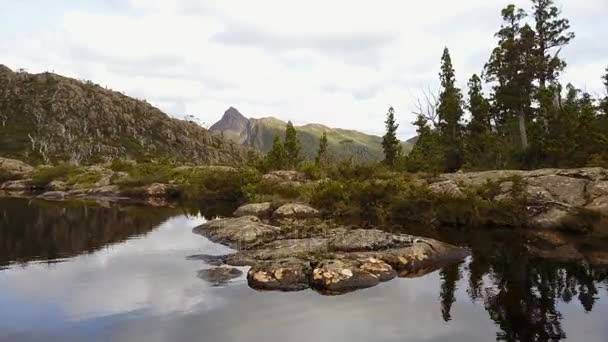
(47,118)
(259,134)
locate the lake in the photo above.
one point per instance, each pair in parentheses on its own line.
(89,272)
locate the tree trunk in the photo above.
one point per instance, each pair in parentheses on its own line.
(522,131)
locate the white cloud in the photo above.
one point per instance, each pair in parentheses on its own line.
(340,63)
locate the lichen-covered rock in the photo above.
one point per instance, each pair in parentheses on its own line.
(422,257)
(240,233)
(157,190)
(567,190)
(340,276)
(219,275)
(17,185)
(13,168)
(283,176)
(261,210)
(295,211)
(54,195)
(282,249)
(57,185)
(358,240)
(446,188)
(284,275)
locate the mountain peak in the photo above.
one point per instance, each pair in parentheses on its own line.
(231,118)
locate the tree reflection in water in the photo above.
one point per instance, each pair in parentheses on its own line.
(520,293)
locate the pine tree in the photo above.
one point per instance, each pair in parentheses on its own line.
(551,34)
(322,158)
(292,147)
(511,68)
(604,104)
(450,113)
(427,154)
(390,143)
(479,141)
(276,158)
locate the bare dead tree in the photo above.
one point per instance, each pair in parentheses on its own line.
(427,105)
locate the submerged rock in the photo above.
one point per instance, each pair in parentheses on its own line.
(219,275)
(213,260)
(240,233)
(295,211)
(261,210)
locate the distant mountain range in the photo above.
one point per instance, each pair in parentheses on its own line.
(48,118)
(259,134)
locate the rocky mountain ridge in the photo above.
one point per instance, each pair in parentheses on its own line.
(259,134)
(48,118)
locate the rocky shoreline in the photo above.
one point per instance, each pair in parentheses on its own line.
(292,249)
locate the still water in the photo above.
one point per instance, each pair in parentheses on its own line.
(75,272)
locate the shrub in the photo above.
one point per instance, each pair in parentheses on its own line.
(42,176)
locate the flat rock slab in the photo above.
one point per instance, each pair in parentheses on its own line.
(282,249)
(239,233)
(262,210)
(295,211)
(219,275)
(358,240)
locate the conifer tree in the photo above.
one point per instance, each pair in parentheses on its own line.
(292,147)
(551,34)
(479,141)
(427,154)
(322,157)
(276,158)
(509,68)
(450,113)
(390,143)
(604,104)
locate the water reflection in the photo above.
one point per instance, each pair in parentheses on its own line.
(126,277)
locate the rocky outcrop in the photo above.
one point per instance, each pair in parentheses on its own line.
(295,211)
(17,185)
(261,210)
(287,274)
(554,198)
(11,169)
(49,118)
(333,261)
(241,232)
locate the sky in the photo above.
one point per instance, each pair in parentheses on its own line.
(341,63)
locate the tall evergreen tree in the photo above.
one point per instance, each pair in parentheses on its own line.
(292,147)
(551,33)
(450,113)
(427,154)
(390,143)
(276,158)
(479,142)
(511,69)
(551,36)
(322,158)
(604,104)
